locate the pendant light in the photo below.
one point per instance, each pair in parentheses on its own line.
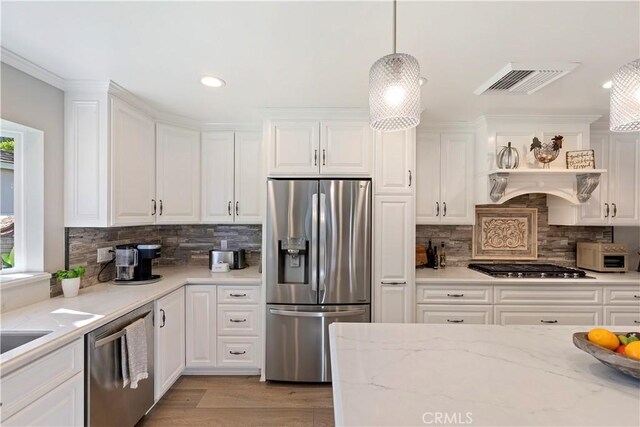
(394,89)
(625,98)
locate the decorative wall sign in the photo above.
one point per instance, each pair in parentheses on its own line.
(582,159)
(505,234)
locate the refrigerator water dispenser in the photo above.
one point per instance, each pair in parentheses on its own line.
(293,260)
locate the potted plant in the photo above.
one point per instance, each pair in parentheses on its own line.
(70,280)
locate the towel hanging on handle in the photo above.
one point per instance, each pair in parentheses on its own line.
(134,354)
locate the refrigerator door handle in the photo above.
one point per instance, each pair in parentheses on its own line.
(322,247)
(314,239)
(345,313)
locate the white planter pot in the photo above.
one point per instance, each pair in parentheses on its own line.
(70,287)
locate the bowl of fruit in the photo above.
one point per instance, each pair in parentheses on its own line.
(617,350)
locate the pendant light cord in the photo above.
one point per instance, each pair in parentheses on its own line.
(395,5)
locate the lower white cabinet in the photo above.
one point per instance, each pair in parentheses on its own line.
(622,316)
(238,352)
(200,326)
(548,315)
(169,341)
(392,304)
(455,314)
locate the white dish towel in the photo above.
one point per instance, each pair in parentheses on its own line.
(133,346)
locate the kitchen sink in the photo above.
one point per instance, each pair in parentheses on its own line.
(13,339)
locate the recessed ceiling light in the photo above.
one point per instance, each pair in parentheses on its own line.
(212,81)
(607,85)
(422,80)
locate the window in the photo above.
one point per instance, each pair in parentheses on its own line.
(7,205)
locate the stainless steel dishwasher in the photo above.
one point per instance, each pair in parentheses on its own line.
(107,402)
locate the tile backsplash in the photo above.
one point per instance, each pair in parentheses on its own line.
(556,244)
(181,245)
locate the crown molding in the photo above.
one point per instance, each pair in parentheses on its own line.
(315,113)
(18,62)
(246,127)
(538,118)
(431,127)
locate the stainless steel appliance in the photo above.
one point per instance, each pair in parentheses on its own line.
(134,263)
(107,402)
(318,271)
(603,257)
(528,271)
(235,259)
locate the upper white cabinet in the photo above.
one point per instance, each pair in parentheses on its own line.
(169,341)
(444,178)
(319,147)
(232,178)
(177,175)
(395,162)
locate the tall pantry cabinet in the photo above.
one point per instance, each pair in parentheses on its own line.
(394,227)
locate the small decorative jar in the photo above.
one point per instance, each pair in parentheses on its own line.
(508,157)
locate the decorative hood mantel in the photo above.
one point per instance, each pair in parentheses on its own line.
(496,185)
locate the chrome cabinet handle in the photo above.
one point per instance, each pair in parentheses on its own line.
(393,283)
(548,321)
(437,208)
(237,320)
(237,295)
(164,318)
(410,178)
(615,210)
(160,206)
(606,215)
(237,352)
(636,321)
(229,207)
(455,321)
(455,295)
(324,157)
(154,207)
(444,208)
(237,209)
(315,157)
(637,296)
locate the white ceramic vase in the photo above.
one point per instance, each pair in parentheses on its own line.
(70,287)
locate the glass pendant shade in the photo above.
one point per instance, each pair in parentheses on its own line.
(394,92)
(625,99)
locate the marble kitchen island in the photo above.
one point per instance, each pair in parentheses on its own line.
(482,375)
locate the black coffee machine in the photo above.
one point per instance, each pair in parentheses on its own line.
(134,263)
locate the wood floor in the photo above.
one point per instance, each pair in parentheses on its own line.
(241,401)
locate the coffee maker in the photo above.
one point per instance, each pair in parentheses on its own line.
(134,263)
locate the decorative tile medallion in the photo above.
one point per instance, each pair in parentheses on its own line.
(505,234)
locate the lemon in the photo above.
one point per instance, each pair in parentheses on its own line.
(633,350)
(604,338)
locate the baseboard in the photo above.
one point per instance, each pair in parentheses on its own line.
(221,371)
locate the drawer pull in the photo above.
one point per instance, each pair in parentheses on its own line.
(456,321)
(236,353)
(636,321)
(637,296)
(237,320)
(548,321)
(455,295)
(393,283)
(237,295)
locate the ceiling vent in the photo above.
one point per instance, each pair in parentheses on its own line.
(522,77)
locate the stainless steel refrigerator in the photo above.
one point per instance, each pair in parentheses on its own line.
(318,271)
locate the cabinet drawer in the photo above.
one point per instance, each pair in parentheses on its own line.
(622,296)
(238,295)
(548,295)
(622,316)
(455,295)
(561,315)
(27,384)
(238,351)
(446,314)
(238,319)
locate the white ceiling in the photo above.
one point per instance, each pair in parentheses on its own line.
(318,54)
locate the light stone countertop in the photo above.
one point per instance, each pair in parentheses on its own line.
(464,275)
(71,318)
(481,375)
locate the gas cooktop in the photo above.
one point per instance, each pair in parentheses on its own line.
(529,271)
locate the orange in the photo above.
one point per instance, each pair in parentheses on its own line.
(633,350)
(604,338)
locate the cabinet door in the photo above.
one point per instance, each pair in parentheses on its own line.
(456,178)
(345,148)
(394,258)
(200,326)
(593,211)
(395,154)
(547,315)
(170,341)
(624,185)
(294,147)
(133,166)
(428,204)
(62,406)
(217,176)
(452,314)
(622,316)
(177,175)
(249,182)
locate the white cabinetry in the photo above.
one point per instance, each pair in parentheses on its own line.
(395,162)
(313,147)
(200,326)
(444,178)
(622,306)
(46,392)
(455,304)
(232,179)
(177,175)
(169,341)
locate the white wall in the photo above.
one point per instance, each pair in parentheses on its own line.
(31,102)
(631,237)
